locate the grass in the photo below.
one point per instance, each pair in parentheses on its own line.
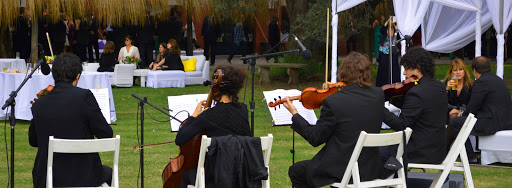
(156,157)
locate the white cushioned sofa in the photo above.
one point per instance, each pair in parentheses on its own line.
(201,73)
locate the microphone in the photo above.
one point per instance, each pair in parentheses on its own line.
(306,54)
(45,68)
(406,38)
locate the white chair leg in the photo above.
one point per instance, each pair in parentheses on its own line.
(142,81)
(440,177)
(355,175)
(467,170)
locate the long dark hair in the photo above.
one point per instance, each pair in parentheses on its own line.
(233,81)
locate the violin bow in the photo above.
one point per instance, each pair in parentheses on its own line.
(142,145)
(327,49)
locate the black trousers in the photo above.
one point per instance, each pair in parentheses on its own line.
(299,174)
(209,45)
(455,126)
(80,51)
(58,48)
(383,76)
(107,175)
(238,48)
(188,178)
(93,43)
(277,48)
(146,54)
(351,41)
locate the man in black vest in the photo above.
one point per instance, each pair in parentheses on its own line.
(490,103)
(72,113)
(93,38)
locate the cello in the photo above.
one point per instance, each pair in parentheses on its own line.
(189,152)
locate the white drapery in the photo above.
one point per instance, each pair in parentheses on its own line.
(338,6)
(452,24)
(501,15)
(409,18)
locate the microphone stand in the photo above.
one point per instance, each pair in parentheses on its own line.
(11,102)
(251,60)
(141,103)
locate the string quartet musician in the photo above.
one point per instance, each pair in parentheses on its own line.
(68,112)
(228,116)
(423,109)
(356,107)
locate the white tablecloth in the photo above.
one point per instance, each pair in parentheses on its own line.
(12,64)
(10,82)
(496,148)
(164,79)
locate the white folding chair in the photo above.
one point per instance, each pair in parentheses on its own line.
(375,140)
(449,162)
(56,145)
(123,75)
(266,145)
(91,67)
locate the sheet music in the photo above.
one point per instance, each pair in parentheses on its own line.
(101,96)
(280,115)
(183,102)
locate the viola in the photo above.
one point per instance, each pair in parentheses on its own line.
(398,90)
(42,93)
(311,97)
(189,152)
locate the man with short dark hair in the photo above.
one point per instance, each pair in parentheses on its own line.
(68,112)
(423,109)
(490,102)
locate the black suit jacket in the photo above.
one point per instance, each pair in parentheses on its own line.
(72,113)
(344,115)
(82,35)
(58,32)
(424,111)
(274,34)
(491,103)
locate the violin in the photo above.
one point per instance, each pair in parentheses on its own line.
(42,93)
(398,90)
(189,152)
(311,97)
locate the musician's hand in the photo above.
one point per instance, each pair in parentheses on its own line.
(326,85)
(450,84)
(289,106)
(455,111)
(199,108)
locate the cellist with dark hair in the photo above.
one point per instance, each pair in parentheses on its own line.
(228,116)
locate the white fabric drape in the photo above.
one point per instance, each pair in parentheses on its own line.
(501,15)
(446,29)
(409,18)
(338,6)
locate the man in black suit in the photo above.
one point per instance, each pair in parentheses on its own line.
(22,34)
(93,38)
(58,36)
(146,42)
(490,102)
(423,109)
(72,113)
(211,33)
(81,38)
(274,36)
(355,108)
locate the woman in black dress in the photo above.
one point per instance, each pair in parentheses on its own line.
(172,60)
(108,58)
(459,89)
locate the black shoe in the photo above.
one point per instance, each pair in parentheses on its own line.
(473,160)
(211,64)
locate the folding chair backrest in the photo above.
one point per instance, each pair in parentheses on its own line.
(56,145)
(123,75)
(266,145)
(463,135)
(373,140)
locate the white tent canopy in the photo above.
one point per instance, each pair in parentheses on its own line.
(447,25)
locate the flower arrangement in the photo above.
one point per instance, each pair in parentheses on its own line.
(49,59)
(132,60)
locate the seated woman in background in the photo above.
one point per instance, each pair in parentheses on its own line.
(162,52)
(108,59)
(458,87)
(128,51)
(172,60)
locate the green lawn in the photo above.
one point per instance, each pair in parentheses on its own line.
(157,157)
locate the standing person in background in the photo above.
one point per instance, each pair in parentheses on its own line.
(377,25)
(211,32)
(93,38)
(67,21)
(274,36)
(81,38)
(22,34)
(386,47)
(146,42)
(352,39)
(44,27)
(58,36)
(239,41)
